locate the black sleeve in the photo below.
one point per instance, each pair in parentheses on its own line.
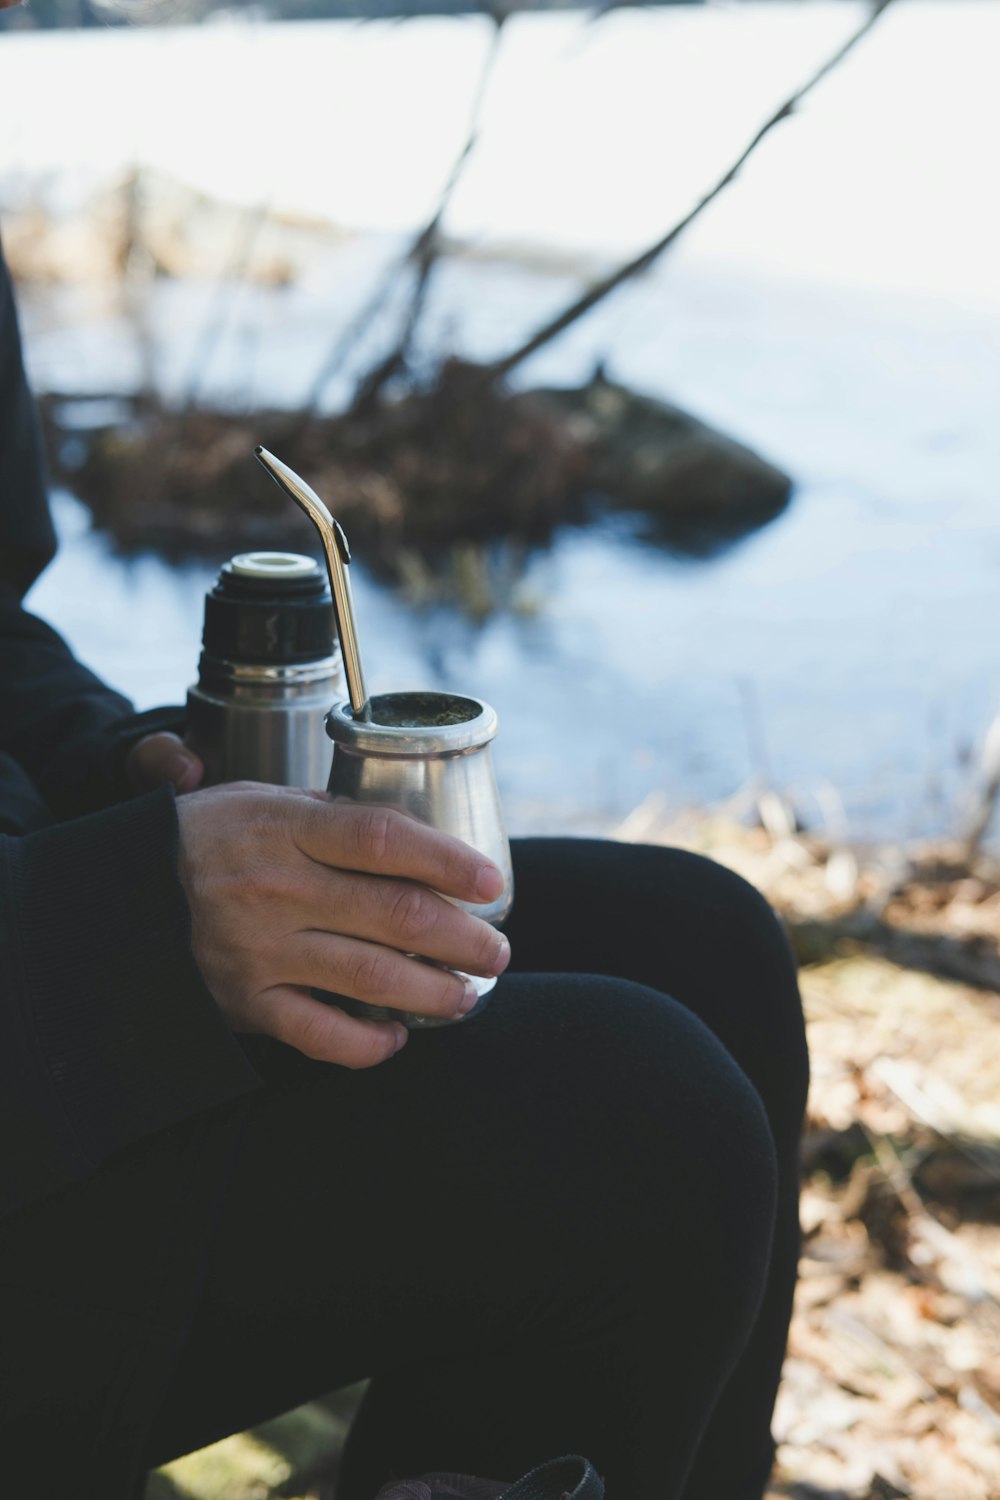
(67,729)
(27,541)
(107,1031)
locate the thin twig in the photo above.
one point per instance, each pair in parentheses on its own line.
(426,252)
(976,1284)
(230,282)
(135,300)
(632,268)
(423,253)
(984,797)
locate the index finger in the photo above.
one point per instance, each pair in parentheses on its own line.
(382,841)
(160,758)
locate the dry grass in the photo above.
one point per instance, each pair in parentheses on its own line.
(892,1385)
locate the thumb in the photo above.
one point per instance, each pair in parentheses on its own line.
(162,758)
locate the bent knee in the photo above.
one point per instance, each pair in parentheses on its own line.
(654,1092)
(737,945)
(687,896)
(722,901)
(681,1159)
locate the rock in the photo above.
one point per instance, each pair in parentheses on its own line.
(655,457)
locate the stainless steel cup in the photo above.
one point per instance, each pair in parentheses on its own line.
(427,754)
(268,672)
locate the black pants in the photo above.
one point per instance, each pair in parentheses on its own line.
(569,1225)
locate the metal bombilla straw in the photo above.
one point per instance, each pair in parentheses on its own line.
(338,557)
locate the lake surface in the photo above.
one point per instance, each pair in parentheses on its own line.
(840,312)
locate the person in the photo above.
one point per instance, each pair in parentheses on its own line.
(569,1225)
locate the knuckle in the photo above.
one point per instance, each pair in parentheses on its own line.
(487,946)
(450,993)
(275,883)
(411,912)
(254,833)
(241,884)
(146,754)
(318,1034)
(314,961)
(262,957)
(371,1047)
(369,972)
(374,834)
(329,1035)
(258,884)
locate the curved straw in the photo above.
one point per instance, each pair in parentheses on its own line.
(338,556)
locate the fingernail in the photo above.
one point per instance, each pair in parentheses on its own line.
(470,997)
(179,768)
(489,883)
(402,1036)
(503,954)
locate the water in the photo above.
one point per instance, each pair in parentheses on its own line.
(851,643)
(840,310)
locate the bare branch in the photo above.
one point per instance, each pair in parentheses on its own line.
(422,253)
(632,268)
(426,251)
(984,798)
(231,280)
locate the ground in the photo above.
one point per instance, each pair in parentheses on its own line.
(892,1383)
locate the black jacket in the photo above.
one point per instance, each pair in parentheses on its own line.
(108,1036)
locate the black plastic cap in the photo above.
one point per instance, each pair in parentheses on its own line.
(280,614)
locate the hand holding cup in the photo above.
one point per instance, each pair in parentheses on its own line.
(290,892)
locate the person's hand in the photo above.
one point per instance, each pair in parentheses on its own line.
(291,892)
(162,758)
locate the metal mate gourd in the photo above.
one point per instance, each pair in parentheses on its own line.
(426,753)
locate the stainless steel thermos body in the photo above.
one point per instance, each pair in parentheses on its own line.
(269,670)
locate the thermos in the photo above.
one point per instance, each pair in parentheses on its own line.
(270,667)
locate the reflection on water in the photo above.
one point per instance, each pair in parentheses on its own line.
(681,536)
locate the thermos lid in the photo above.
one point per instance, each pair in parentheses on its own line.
(269,607)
